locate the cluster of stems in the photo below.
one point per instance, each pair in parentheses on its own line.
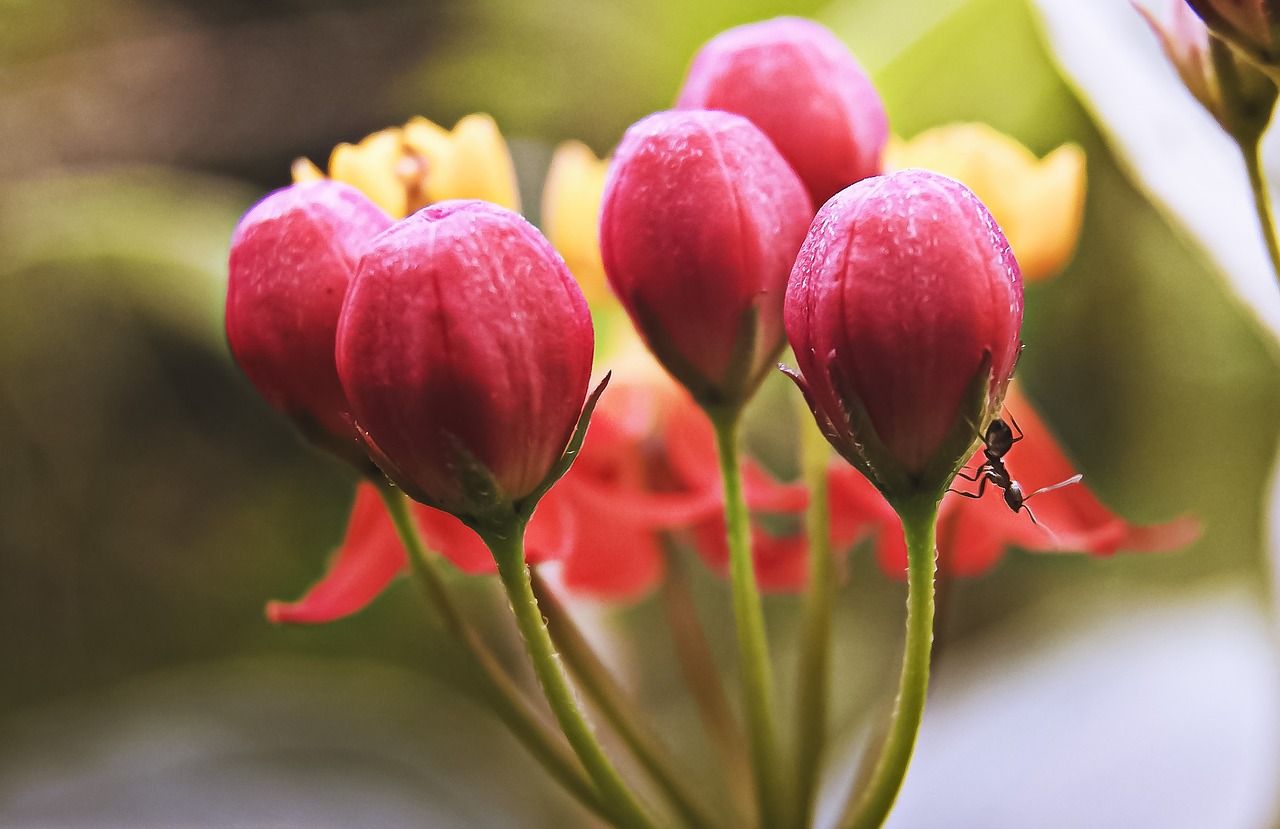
(785,785)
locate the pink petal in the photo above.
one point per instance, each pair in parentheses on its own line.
(447,536)
(370,557)
(618,557)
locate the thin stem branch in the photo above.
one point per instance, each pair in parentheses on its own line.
(508,551)
(505,699)
(815,646)
(919,523)
(613,702)
(698,666)
(753,647)
(1248,101)
(1252,153)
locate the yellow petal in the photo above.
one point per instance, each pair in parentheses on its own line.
(469,162)
(571,214)
(374,166)
(303,170)
(1038,204)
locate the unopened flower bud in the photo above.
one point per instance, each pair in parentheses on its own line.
(1039,203)
(904,310)
(465,349)
(800,85)
(1185,42)
(1229,79)
(700,224)
(1249,25)
(292,257)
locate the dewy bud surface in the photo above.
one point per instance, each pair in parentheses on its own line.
(699,226)
(904,293)
(801,86)
(292,257)
(465,340)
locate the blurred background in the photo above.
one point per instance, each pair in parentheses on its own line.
(150,502)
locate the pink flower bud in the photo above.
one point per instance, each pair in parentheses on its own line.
(1246,23)
(798,83)
(699,226)
(465,350)
(292,257)
(904,309)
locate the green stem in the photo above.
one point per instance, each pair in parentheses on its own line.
(1248,101)
(505,698)
(508,551)
(815,647)
(919,523)
(753,647)
(1252,152)
(698,666)
(599,684)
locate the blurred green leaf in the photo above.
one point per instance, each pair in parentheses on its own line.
(180,223)
(572,68)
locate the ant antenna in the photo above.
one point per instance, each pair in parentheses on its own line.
(1074,479)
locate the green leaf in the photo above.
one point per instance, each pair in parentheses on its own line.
(176,224)
(1169,145)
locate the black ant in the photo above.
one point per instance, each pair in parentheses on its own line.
(997,443)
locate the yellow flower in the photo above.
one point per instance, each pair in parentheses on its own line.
(571,214)
(1038,203)
(402,169)
(469,162)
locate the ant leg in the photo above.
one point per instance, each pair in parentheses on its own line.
(1015,425)
(982,487)
(977,474)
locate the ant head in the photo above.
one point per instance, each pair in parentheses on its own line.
(999,437)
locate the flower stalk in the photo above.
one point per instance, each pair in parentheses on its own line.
(919,524)
(507,545)
(506,700)
(753,647)
(612,701)
(1252,153)
(815,645)
(1248,101)
(698,665)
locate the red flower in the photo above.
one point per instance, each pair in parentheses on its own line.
(648,467)
(604,525)
(623,493)
(799,84)
(371,555)
(601,521)
(779,544)
(700,222)
(973,535)
(292,257)
(904,309)
(465,349)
